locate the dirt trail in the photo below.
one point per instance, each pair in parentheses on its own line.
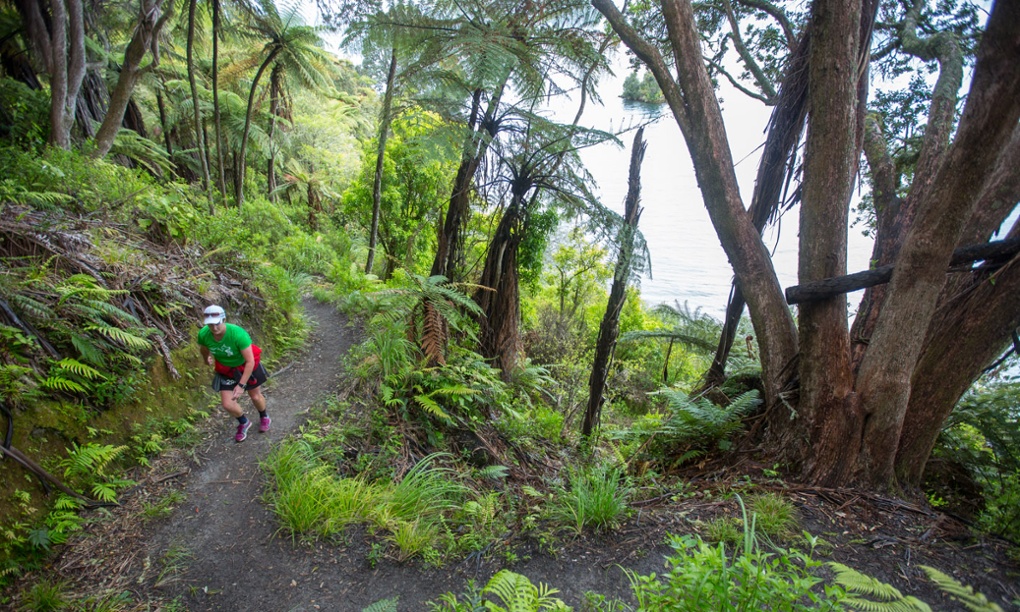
(239,561)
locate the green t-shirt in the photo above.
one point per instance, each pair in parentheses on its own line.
(228,350)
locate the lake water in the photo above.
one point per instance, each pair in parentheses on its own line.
(688,264)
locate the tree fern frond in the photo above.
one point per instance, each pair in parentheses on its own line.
(966,595)
(56,382)
(432,407)
(433,339)
(889,597)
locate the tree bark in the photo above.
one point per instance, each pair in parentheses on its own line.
(196,109)
(499,296)
(240,158)
(965,335)
(449,248)
(384,131)
(944,205)
(67,71)
(692,100)
(275,92)
(151,20)
(609,330)
(221,180)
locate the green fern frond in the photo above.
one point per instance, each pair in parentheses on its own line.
(55,382)
(76,367)
(32,308)
(432,407)
(493,472)
(113,312)
(88,350)
(966,595)
(115,333)
(383,605)
(889,598)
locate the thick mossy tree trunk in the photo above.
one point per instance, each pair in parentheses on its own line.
(221,172)
(609,330)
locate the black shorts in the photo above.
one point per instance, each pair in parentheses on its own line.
(225,383)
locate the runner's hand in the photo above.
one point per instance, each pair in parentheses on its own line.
(209,360)
(238,392)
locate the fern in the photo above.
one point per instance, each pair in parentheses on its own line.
(88,350)
(124,337)
(383,605)
(76,367)
(883,597)
(972,600)
(55,382)
(518,594)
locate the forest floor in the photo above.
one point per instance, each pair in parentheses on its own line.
(221,547)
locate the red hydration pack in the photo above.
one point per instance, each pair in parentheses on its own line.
(237,371)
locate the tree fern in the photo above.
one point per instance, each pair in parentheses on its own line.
(124,337)
(79,368)
(883,597)
(967,596)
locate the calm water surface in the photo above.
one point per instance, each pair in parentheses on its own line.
(688,264)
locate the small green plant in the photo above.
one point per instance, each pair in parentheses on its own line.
(723,529)
(164,507)
(775,517)
(383,605)
(515,592)
(596,497)
(45,596)
(966,595)
(173,564)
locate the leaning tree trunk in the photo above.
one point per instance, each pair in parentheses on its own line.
(150,22)
(240,156)
(965,336)
(610,327)
(384,131)
(695,108)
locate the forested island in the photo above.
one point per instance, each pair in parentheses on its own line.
(462,371)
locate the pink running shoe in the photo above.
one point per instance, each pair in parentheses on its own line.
(264,424)
(242,432)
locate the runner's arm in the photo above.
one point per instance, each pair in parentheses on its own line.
(249,365)
(206,354)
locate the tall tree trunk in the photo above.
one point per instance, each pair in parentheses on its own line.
(196,110)
(150,22)
(384,129)
(67,67)
(221,181)
(240,158)
(450,243)
(945,203)
(275,91)
(610,327)
(826,405)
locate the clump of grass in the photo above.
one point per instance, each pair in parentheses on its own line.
(310,498)
(723,529)
(164,507)
(597,497)
(44,596)
(775,516)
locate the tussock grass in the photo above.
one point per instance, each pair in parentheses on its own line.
(311,499)
(597,497)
